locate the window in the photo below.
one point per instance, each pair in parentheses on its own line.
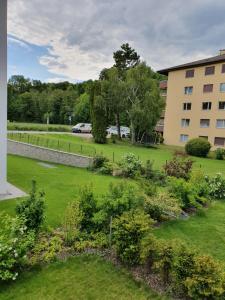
(207,88)
(187,106)
(204,123)
(222,105)
(188,90)
(210,70)
(223,68)
(206,105)
(222,87)
(185,122)
(220,123)
(219,141)
(203,137)
(190,73)
(183,138)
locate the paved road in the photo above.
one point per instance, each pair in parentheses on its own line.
(85,135)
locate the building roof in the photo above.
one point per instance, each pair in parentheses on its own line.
(197,63)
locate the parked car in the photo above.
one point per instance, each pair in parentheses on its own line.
(125,131)
(82,128)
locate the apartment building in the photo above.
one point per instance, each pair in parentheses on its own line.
(195,102)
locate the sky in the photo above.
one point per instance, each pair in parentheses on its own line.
(75,39)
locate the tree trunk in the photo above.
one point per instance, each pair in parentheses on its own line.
(132,133)
(118,125)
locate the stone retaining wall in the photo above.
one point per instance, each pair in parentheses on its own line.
(50,155)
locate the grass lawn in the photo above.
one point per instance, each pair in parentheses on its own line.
(80,278)
(86,146)
(61,185)
(38,127)
(205,231)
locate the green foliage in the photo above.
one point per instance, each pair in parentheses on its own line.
(198,147)
(98,114)
(46,249)
(153,174)
(148,187)
(220,153)
(179,167)
(162,207)
(206,280)
(99,161)
(129,231)
(82,109)
(72,222)
(130,165)
(88,207)
(32,209)
(97,240)
(216,186)
(120,198)
(15,241)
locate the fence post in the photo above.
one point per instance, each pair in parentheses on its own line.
(81,148)
(113,157)
(69,147)
(28,138)
(58,144)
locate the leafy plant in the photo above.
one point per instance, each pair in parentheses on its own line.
(154,175)
(15,241)
(179,167)
(162,207)
(130,165)
(216,186)
(220,153)
(88,207)
(198,147)
(32,209)
(72,222)
(129,231)
(99,161)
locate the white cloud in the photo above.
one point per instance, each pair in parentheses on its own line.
(81,35)
(13,40)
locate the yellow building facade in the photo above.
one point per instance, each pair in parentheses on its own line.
(195,103)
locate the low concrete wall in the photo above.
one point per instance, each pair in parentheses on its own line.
(50,155)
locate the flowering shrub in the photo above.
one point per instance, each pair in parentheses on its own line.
(216,186)
(15,242)
(130,165)
(179,167)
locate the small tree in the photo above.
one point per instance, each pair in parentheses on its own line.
(32,209)
(198,147)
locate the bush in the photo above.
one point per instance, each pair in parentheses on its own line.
(129,231)
(88,206)
(198,147)
(179,167)
(120,198)
(207,279)
(99,161)
(15,241)
(149,188)
(220,153)
(130,165)
(154,175)
(32,209)
(72,222)
(162,207)
(106,169)
(216,186)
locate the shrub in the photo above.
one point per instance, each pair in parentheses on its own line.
(88,206)
(207,279)
(130,165)
(216,186)
(154,175)
(129,231)
(220,153)
(162,207)
(106,169)
(120,198)
(198,147)
(179,167)
(148,187)
(72,222)
(32,209)
(15,241)
(99,162)
(185,192)
(200,186)
(46,249)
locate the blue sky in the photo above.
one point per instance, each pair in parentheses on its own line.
(75,39)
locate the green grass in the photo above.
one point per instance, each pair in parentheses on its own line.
(80,278)
(38,127)
(205,231)
(159,154)
(61,185)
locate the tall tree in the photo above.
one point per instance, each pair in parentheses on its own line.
(143,101)
(98,114)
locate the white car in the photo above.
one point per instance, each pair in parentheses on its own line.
(82,128)
(125,131)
